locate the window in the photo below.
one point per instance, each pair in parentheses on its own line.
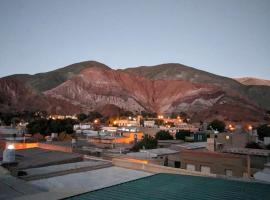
(228,172)
(205,169)
(177,164)
(190,167)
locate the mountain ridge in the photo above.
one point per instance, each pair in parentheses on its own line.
(164,88)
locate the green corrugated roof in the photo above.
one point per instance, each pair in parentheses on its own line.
(172,186)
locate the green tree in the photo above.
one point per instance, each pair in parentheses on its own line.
(163,135)
(48,126)
(81,117)
(159,122)
(148,114)
(217,125)
(263,131)
(94,115)
(181,134)
(253,145)
(148,142)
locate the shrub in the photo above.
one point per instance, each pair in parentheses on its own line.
(253,145)
(217,125)
(163,135)
(181,134)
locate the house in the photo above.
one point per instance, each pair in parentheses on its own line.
(149,124)
(126,122)
(257,157)
(236,139)
(122,138)
(210,162)
(157,156)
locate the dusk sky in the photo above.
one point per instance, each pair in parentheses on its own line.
(225,37)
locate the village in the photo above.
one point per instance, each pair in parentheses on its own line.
(150,144)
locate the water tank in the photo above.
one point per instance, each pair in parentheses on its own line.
(9,154)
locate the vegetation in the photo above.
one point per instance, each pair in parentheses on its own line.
(124,113)
(148,142)
(163,135)
(81,117)
(171,124)
(16,117)
(148,114)
(263,131)
(91,116)
(184,116)
(253,145)
(181,134)
(48,126)
(217,125)
(159,122)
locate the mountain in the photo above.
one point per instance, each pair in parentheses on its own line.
(253,81)
(45,81)
(167,88)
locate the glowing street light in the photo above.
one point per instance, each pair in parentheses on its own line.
(10,146)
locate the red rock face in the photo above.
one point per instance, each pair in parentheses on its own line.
(15,96)
(99,88)
(94,88)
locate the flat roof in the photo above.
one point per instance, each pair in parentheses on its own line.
(160,151)
(78,183)
(247,151)
(172,186)
(193,145)
(37,157)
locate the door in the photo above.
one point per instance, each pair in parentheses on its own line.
(205,169)
(228,172)
(190,167)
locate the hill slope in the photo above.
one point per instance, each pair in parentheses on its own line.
(253,81)
(166,88)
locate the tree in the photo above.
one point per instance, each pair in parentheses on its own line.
(184,116)
(148,114)
(94,115)
(217,125)
(127,113)
(253,145)
(163,135)
(263,131)
(148,142)
(181,134)
(82,116)
(159,122)
(48,126)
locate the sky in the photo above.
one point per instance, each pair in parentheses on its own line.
(225,37)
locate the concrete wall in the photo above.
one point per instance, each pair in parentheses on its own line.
(152,168)
(218,162)
(238,140)
(54,147)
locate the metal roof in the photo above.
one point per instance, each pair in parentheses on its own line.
(174,187)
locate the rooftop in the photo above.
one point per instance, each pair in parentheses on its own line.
(247,151)
(36,157)
(171,186)
(193,145)
(160,151)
